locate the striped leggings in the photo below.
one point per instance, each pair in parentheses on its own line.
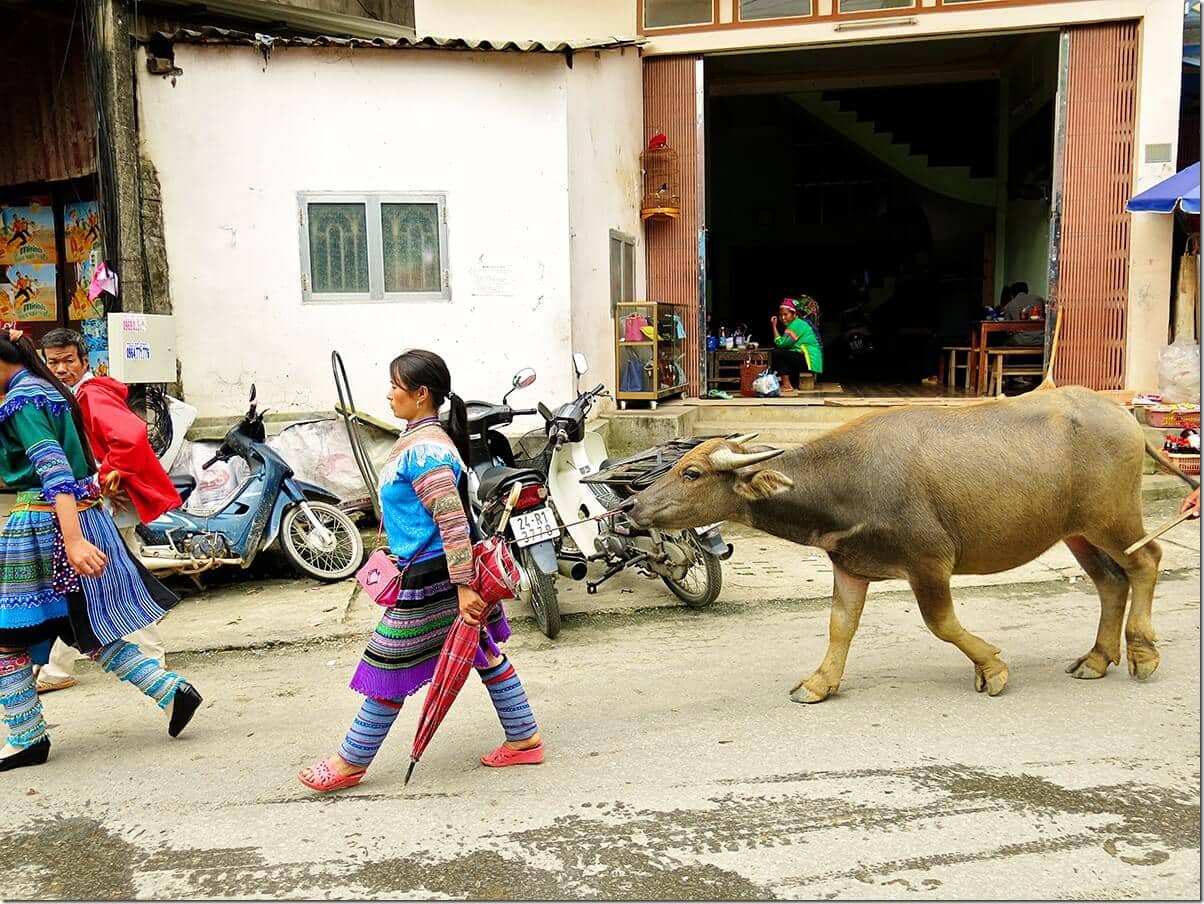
(376,716)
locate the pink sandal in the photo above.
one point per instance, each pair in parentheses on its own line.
(504,756)
(326,779)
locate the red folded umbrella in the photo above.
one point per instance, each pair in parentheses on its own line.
(451,671)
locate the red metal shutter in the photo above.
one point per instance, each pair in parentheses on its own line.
(672,245)
(1093,280)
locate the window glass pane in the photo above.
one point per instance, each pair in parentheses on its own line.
(338,248)
(861,6)
(410,244)
(773,9)
(665,13)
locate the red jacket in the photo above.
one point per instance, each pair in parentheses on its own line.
(120,444)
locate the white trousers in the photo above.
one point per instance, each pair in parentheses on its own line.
(148,639)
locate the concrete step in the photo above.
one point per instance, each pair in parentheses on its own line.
(774,433)
(736,415)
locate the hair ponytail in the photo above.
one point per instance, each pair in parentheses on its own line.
(457,426)
(23,352)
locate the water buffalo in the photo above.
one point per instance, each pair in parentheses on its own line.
(924,493)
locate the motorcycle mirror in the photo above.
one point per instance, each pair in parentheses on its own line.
(580,363)
(522,380)
(252,399)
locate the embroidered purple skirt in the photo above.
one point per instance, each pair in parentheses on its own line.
(404,648)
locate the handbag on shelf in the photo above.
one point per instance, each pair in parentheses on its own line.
(633,327)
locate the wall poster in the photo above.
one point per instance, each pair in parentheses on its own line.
(29,292)
(81,307)
(81,225)
(96,333)
(27,234)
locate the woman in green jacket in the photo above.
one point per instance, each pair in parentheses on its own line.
(64,571)
(796,340)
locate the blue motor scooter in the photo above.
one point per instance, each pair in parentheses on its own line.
(316,537)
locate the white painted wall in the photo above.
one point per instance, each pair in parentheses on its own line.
(235,140)
(605,136)
(526,20)
(1160,63)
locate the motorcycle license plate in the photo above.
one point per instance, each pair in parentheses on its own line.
(702,530)
(534,526)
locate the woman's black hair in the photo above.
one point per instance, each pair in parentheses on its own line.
(418,367)
(24,353)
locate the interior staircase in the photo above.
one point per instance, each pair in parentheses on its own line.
(956,182)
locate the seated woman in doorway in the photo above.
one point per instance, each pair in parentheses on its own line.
(796,339)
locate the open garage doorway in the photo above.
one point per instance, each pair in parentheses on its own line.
(901,184)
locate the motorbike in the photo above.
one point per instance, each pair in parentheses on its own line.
(589,490)
(510,496)
(316,537)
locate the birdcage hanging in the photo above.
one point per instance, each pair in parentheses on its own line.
(662,180)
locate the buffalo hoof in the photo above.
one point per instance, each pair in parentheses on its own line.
(804,694)
(1143,661)
(1091,666)
(993,679)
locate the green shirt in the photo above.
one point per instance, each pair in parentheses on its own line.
(40,448)
(803,341)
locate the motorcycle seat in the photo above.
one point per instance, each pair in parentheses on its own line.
(495,480)
(184,484)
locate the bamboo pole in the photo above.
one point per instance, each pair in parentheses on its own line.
(1053,347)
(1158,532)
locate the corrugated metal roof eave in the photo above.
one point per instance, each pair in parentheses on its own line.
(213,35)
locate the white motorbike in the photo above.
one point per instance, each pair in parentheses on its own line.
(588,492)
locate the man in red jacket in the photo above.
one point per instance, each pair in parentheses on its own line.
(130,473)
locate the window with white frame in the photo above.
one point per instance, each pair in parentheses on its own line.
(373,247)
(622,268)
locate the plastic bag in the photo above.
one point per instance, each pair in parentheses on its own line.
(215,485)
(767,385)
(1179,371)
(319,452)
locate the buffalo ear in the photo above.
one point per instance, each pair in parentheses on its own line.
(763,485)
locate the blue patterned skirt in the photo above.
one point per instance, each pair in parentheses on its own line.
(42,598)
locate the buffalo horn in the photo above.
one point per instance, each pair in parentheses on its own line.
(724,459)
(743,438)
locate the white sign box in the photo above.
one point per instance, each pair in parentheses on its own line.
(142,348)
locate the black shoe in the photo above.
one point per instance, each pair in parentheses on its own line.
(33,755)
(184,707)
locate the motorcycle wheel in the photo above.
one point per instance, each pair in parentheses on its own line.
(335,564)
(543,595)
(702,583)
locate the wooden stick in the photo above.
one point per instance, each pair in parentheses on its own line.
(1155,534)
(1053,344)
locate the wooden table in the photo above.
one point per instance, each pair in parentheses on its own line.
(723,365)
(980,335)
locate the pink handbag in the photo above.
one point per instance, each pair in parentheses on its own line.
(497,575)
(380,578)
(633,325)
